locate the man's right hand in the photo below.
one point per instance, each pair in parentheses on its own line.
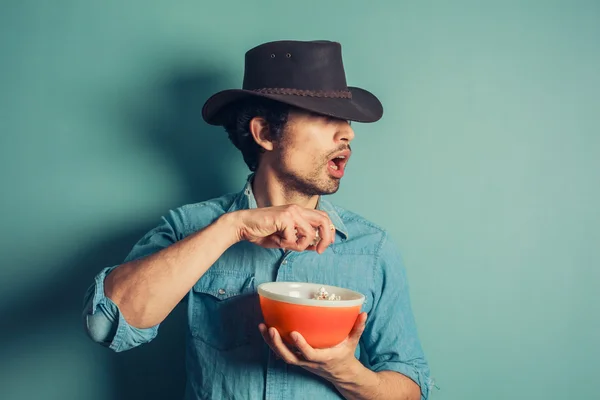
(290,227)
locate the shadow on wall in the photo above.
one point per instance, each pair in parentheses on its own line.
(200,153)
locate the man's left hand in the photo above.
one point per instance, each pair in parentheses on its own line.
(334,364)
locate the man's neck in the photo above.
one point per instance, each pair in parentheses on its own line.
(270,191)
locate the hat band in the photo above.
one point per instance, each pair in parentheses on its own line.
(336,94)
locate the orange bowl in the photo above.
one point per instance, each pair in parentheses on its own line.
(290,306)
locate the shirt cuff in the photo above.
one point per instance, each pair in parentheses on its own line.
(420,377)
(105,323)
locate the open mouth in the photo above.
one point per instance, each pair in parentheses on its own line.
(338,163)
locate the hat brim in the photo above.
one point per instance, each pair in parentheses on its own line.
(362,107)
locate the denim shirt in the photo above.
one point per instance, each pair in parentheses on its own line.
(226,357)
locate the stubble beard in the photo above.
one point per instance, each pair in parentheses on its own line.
(311,184)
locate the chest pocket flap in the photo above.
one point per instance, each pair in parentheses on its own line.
(225,309)
(223,285)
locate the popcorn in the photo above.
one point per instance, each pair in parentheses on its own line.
(322,294)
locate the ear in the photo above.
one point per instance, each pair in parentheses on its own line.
(260,132)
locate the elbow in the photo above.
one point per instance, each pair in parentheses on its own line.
(413,392)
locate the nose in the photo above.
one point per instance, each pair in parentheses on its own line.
(345,133)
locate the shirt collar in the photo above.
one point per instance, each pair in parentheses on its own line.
(246,200)
(326,206)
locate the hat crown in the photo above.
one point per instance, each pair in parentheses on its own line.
(312,65)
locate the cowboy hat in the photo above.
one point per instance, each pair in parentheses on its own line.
(308,75)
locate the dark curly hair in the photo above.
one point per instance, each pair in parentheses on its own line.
(236,121)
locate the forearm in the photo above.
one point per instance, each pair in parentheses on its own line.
(147,290)
(361,383)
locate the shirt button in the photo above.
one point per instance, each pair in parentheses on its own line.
(284,262)
(222,291)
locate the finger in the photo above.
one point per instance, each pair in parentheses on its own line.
(327,234)
(263,331)
(306,234)
(265,334)
(305,349)
(280,348)
(320,220)
(358,328)
(329,225)
(287,234)
(327,228)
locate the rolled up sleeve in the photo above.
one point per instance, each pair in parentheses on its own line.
(105,324)
(103,321)
(390,337)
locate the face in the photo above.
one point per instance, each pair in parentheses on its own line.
(312,154)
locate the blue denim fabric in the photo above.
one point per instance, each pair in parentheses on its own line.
(226,356)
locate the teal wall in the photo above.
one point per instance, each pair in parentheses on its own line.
(485,168)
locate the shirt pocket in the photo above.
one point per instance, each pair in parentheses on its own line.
(225,309)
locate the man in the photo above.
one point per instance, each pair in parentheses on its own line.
(291,123)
